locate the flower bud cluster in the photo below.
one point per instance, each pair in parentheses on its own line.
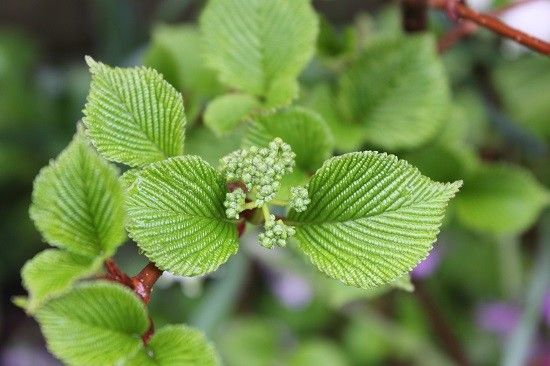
(276,233)
(260,169)
(298,199)
(234,203)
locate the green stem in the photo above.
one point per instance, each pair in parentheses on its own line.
(418,348)
(279,202)
(219,300)
(517,348)
(265,211)
(250,205)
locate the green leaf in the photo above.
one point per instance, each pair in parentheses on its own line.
(77,202)
(501,199)
(297,178)
(250,341)
(53,272)
(202,142)
(304,130)
(94,324)
(257,46)
(443,162)
(177,217)
(175,51)
(318,352)
(224,113)
(371,219)
(348,136)
(133,115)
(397,91)
(524,85)
(176,346)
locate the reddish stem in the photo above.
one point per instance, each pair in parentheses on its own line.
(487,21)
(149,332)
(114,273)
(143,282)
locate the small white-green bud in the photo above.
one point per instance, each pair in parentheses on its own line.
(299,199)
(234,203)
(275,233)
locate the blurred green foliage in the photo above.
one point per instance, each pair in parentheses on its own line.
(505,191)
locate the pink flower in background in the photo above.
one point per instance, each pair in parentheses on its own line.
(292,291)
(428,266)
(546,308)
(498,317)
(23,355)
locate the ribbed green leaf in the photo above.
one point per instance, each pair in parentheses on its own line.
(133,115)
(397,91)
(224,113)
(524,85)
(176,346)
(77,202)
(371,218)
(501,199)
(177,217)
(304,130)
(52,272)
(348,136)
(202,142)
(94,324)
(175,51)
(259,45)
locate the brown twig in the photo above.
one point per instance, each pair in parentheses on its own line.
(454,35)
(439,325)
(490,22)
(114,273)
(414,15)
(142,284)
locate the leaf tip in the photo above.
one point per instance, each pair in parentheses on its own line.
(92,64)
(21,302)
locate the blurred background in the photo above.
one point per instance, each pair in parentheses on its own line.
(482,297)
